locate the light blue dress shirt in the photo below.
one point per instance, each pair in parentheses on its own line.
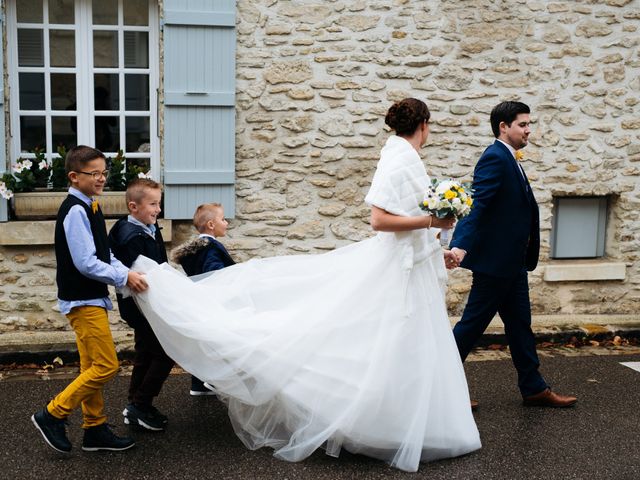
(77,229)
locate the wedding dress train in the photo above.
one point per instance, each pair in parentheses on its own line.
(348,349)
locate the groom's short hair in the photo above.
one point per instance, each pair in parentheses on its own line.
(204,213)
(506,112)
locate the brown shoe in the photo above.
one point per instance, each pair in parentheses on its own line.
(547,398)
(474,405)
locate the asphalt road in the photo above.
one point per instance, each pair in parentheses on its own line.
(598,439)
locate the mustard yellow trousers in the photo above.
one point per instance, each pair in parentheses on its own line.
(98,365)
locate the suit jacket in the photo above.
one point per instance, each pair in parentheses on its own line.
(502,233)
(128,240)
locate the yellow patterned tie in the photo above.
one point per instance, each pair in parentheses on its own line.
(94,206)
(519,155)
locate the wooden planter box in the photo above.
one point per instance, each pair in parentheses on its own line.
(45,205)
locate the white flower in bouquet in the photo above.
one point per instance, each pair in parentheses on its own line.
(444,185)
(43,165)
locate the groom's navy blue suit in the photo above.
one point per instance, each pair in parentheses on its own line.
(501,236)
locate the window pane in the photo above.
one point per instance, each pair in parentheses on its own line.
(136,92)
(31,86)
(62,48)
(63,132)
(63,91)
(105,49)
(136,12)
(32,133)
(61,11)
(137,131)
(106,95)
(107,133)
(136,50)
(105,12)
(29,11)
(30,48)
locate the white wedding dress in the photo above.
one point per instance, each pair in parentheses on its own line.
(348,349)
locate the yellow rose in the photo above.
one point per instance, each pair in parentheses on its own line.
(469,201)
(450,194)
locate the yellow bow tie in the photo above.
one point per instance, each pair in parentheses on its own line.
(94,206)
(519,155)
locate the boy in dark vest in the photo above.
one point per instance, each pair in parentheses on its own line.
(85,266)
(139,234)
(204,254)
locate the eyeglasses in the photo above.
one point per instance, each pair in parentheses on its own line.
(97,175)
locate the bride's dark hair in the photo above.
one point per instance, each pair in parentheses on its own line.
(406,115)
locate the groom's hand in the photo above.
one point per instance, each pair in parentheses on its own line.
(450,260)
(459,254)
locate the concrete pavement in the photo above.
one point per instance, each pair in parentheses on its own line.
(598,439)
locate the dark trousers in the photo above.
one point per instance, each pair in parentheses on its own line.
(151,367)
(510,298)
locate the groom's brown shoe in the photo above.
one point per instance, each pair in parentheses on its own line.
(547,398)
(474,405)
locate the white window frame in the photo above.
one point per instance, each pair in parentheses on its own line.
(84,71)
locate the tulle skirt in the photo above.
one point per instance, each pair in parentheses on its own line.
(348,349)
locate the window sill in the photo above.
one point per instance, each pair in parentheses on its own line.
(584,270)
(42,232)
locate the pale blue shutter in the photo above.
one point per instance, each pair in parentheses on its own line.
(3,146)
(199,125)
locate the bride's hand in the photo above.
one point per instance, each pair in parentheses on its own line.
(443,223)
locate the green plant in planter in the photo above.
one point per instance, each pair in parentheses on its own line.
(121,172)
(30,174)
(26,175)
(58,179)
(117,180)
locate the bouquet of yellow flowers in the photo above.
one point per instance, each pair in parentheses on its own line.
(447,198)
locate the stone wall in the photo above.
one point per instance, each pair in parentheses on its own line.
(314,80)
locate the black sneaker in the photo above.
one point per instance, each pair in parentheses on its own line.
(52,429)
(102,438)
(198,388)
(149,417)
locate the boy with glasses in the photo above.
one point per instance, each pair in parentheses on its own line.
(85,266)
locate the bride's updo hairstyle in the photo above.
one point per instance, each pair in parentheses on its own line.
(407,115)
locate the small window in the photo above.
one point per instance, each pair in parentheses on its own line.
(579,227)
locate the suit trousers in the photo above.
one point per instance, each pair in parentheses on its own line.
(151,367)
(508,297)
(98,365)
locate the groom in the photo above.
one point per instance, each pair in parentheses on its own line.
(499,241)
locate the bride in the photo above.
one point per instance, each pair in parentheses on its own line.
(349,349)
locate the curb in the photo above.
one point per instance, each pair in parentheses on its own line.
(40,347)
